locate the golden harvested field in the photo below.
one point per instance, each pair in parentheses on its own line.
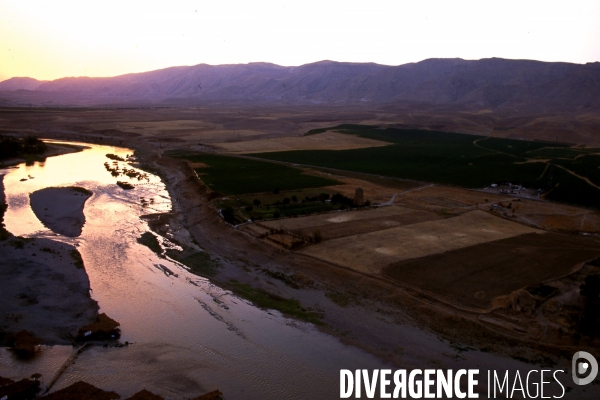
(539,214)
(349,228)
(436,196)
(335,218)
(474,276)
(322,141)
(183,130)
(374,192)
(553,216)
(371,252)
(146,127)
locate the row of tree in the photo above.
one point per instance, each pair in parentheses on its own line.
(13,147)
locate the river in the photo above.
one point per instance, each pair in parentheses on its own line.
(185,342)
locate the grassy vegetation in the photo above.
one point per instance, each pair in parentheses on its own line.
(342,299)
(76,256)
(433,158)
(292,281)
(263,299)
(18,242)
(125,185)
(237,210)
(587,166)
(151,242)
(77,147)
(571,189)
(81,190)
(114,157)
(552,152)
(241,211)
(452,158)
(316,131)
(512,146)
(234,175)
(4,234)
(199,263)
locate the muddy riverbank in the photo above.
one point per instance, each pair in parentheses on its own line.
(61,208)
(186,335)
(44,286)
(219,338)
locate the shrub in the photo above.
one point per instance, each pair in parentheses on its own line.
(339,198)
(317,236)
(229,215)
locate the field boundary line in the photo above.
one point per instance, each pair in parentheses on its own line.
(583,178)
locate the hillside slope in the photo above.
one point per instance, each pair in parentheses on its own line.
(494,83)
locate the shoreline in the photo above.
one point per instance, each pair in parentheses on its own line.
(60,209)
(3,206)
(195,215)
(45,288)
(371,300)
(370,296)
(376,300)
(52,151)
(379,314)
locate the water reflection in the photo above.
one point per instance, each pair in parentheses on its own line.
(185,341)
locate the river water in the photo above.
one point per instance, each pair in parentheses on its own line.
(185,342)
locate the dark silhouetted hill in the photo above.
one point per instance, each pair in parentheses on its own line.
(497,84)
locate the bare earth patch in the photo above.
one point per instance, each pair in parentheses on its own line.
(371,252)
(43,290)
(349,228)
(549,215)
(335,218)
(474,276)
(435,197)
(61,209)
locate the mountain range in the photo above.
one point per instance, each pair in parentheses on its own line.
(495,83)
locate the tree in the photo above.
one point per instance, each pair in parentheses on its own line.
(229,215)
(339,198)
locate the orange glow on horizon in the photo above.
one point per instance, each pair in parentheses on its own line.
(49,40)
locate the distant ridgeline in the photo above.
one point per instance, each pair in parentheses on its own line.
(15,147)
(493,83)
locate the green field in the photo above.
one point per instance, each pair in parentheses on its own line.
(587,166)
(428,156)
(558,152)
(514,147)
(572,190)
(234,175)
(240,209)
(453,158)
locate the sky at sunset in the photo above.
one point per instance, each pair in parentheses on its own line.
(53,39)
